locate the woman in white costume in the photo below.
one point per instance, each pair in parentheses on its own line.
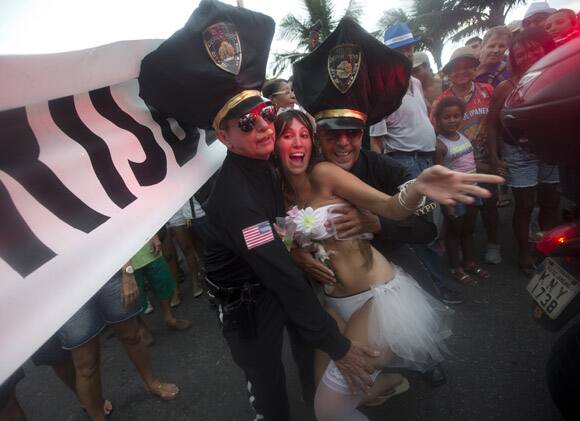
(377,302)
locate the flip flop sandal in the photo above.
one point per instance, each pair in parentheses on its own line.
(180,324)
(107,408)
(162,393)
(477,271)
(397,390)
(463,278)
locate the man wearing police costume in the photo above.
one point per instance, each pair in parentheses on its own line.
(349,82)
(208,75)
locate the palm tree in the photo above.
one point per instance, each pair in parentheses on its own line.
(438,21)
(424,19)
(477,16)
(436,24)
(320,19)
(391,17)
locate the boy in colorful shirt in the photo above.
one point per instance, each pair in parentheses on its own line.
(461,70)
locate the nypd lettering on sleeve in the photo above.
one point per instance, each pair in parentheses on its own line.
(258,234)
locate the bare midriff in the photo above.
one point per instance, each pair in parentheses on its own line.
(353,272)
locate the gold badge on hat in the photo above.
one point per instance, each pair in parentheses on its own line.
(343,65)
(222,43)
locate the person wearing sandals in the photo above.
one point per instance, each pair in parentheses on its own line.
(148,263)
(454,151)
(116,304)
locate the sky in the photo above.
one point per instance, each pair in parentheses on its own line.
(49,26)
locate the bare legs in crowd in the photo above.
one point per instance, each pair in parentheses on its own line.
(117,305)
(50,354)
(86,360)
(184,240)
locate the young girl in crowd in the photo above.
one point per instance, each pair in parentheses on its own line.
(461,70)
(454,151)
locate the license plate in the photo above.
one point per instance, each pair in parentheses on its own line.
(553,288)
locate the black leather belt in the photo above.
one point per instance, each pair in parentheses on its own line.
(229,295)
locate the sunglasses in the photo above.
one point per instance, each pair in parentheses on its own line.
(247,122)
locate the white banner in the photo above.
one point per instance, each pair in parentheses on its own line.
(85,181)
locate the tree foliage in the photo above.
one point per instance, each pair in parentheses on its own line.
(294,29)
(440,21)
(478,16)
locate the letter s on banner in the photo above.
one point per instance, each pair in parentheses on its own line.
(85,180)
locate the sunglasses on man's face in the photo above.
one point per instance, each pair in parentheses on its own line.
(247,122)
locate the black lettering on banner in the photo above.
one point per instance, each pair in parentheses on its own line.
(19,153)
(19,247)
(65,116)
(154,168)
(183,150)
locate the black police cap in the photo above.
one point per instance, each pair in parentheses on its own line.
(351,80)
(211,69)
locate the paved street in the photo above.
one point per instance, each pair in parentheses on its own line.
(496,370)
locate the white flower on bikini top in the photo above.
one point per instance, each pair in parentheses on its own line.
(309,224)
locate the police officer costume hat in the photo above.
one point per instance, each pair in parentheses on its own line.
(351,80)
(212,69)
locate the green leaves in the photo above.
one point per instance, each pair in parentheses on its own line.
(319,13)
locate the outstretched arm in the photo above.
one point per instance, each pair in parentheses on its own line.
(438,183)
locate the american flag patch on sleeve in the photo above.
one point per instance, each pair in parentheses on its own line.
(258,234)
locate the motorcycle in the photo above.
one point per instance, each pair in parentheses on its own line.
(545,109)
(555,287)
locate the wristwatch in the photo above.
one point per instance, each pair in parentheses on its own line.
(129,269)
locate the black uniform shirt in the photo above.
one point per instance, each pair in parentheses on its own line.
(386,175)
(245,195)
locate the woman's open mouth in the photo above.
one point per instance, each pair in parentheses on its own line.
(297,158)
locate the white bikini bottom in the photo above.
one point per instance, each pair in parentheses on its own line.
(403,318)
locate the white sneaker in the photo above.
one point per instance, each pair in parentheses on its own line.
(492,254)
(149,309)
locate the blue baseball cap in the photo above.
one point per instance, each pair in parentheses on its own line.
(399,34)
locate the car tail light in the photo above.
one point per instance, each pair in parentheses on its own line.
(557,237)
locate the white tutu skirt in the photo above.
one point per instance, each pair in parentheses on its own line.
(404,319)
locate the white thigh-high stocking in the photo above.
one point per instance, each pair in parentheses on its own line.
(330,405)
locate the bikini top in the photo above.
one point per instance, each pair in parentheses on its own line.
(308,224)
